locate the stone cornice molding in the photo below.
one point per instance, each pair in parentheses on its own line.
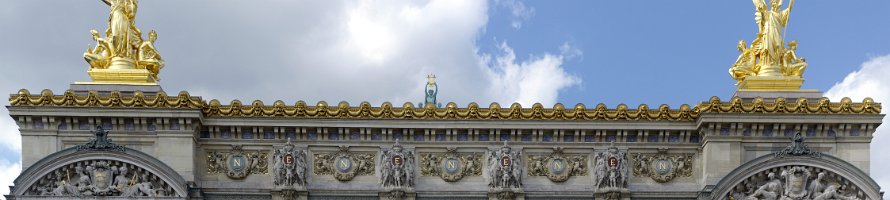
(450,112)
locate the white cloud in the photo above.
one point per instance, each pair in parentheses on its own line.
(381,51)
(872,80)
(9,131)
(8,173)
(519,13)
(528,82)
(334,51)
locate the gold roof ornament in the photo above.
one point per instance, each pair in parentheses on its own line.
(767,64)
(123,56)
(473,111)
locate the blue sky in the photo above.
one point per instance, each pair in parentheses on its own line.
(676,52)
(611,52)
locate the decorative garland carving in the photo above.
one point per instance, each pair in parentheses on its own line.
(557,166)
(236,163)
(344,165)
(662,167)
(451,111)
(115,99)
(450,166)
(101,178)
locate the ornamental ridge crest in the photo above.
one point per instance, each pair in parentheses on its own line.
(100,143)
(798,148)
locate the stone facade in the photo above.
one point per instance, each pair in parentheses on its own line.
(204,150)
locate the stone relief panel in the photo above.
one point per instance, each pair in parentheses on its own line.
(344,165)
(237,163)
(101,178)
(397,167)
(796,182)
(450,166)
(557,166)
(505,168)
(289,166)
(611,170)
(662,167)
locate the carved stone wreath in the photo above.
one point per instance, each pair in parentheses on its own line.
(557,166)
(344,165)
(236,163)
(450,166)
(662,167)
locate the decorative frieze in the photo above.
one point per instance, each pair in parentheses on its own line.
(450,166)
(450,111)
(344,165)
(237,163)
(557,166)
(662,167)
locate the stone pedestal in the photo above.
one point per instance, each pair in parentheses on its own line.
(82,88)
(770,83)
(808,94)
(398,194)
(290,194)
(612,194)
(121,76)
(506,194)
(769,87)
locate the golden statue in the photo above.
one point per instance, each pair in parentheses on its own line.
(149,57)
(767,64)
(123,57)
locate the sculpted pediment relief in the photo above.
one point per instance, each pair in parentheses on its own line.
(95,178)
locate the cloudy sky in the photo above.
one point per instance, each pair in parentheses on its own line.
(633,52)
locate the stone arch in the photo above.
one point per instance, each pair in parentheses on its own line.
(143,169)
(847,180)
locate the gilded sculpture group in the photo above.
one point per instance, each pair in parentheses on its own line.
(123,46)
(767,54)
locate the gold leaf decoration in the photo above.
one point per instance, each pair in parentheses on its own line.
(450,112)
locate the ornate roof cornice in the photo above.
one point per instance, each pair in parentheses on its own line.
(450,112)
(114,99)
